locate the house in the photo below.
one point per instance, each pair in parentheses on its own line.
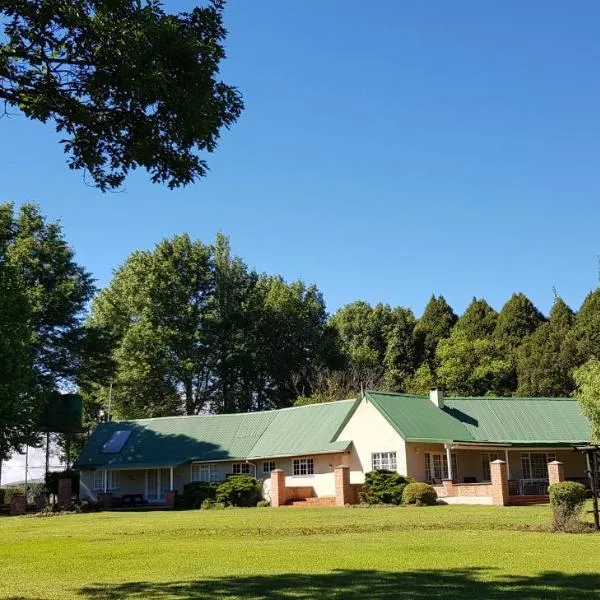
(320,451)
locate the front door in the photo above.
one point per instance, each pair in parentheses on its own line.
(159,482)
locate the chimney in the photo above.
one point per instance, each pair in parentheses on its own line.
(437,397)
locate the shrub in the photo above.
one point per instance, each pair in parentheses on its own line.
(263,504)
(207,504)
(421,494)
(566,499)
(194,494)
(239,490)
(383,487)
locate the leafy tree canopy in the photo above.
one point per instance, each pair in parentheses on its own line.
(126,84)
(478,320)
(587,378)
(436,324)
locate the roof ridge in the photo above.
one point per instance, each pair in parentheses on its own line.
(520,398)
(250,412)
(401,394)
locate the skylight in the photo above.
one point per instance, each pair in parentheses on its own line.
(117,441)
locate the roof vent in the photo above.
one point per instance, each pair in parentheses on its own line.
(437,397)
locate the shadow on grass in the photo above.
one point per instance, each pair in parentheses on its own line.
(374,585)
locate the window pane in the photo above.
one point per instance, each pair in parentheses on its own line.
(427,466)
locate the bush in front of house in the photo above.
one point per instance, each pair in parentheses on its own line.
(239,490)
(263,504)
(383,487)
(420,494)
(567,499)
(194,494)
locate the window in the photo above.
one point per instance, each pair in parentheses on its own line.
(116,442)
(304,466)
(383,460)
(439,466)
(427,466)
(486,459)
(534,465)
(268,466)
(202,472)
(240,468)
(112,480)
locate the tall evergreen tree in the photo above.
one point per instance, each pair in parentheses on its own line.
(401,355)
(544,361)
(584,338)
(478,320)
(436,324)
(517,319)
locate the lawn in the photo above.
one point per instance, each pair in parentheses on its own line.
(393,553)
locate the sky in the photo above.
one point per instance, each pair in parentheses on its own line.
(387,151)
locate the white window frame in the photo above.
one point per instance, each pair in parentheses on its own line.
(240,468)
(384,460)
(427,457)
(268,466)
(438,466)
(303,467)
(112,480)
(527,469)
(202,472)
(486,459)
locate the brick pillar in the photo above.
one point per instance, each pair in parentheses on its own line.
(449,488)
(556,472)
(65,490)
(18,504)
(499,482)
(343,490)
(278,495)
(171,494)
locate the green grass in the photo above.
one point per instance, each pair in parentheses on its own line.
(390,553)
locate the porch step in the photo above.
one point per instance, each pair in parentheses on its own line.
(314,501)
(528,500)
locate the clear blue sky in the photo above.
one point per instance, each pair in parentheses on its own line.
(388,150)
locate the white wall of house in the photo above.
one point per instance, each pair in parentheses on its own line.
(370,432)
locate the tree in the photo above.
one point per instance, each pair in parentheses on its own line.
(126,84)
(473,367)
(45,295)
(587,378)
(155,309)
(195,330)
(18,406)
(517,319)
(584,338)
(401,355)
(471,362)
(545,359)
(436,324)
(378,339)
(478,320)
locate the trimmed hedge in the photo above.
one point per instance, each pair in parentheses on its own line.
(421,494)
(567,499)
(239,490)
(383,487)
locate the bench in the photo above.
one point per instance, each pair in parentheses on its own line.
(132,500)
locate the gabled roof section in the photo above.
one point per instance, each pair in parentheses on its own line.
(304,430)
(171,441)
(543,421)
(417,419)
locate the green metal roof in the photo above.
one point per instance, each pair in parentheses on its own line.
(416,418)
(171,441)
(521,420)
